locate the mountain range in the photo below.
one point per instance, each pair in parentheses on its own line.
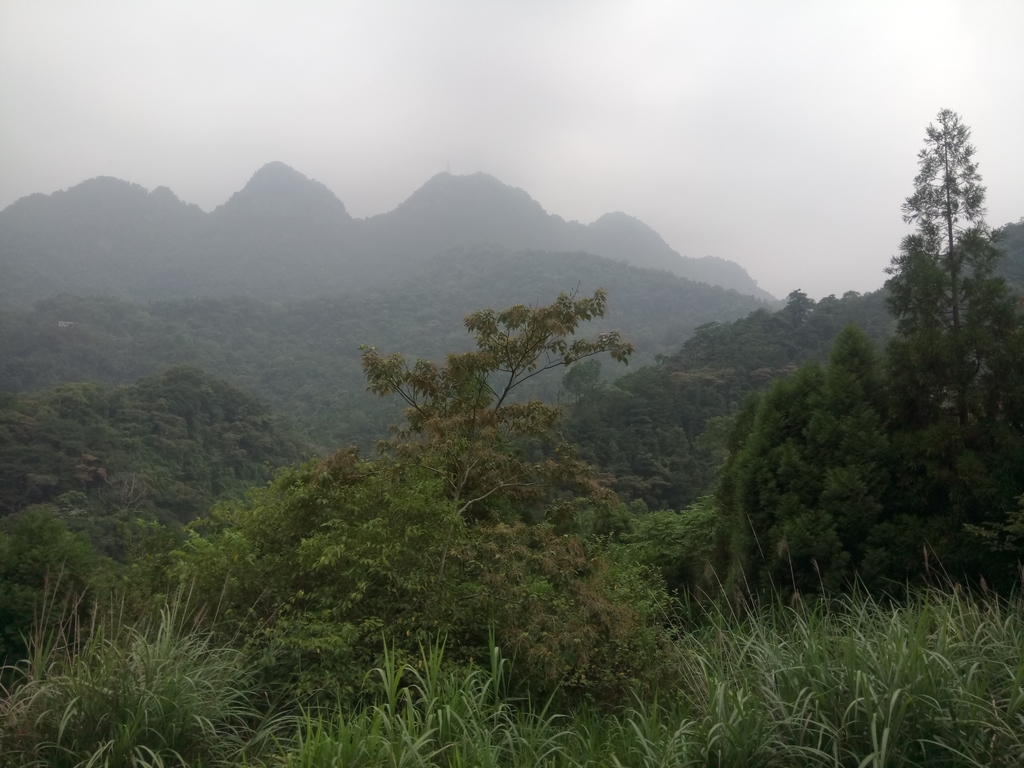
(285,236)
(275,291)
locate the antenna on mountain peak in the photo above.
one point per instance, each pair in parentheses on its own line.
(448,167)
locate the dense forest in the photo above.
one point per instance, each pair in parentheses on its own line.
(168,446)
(792,536)
(658,434)
(302,357)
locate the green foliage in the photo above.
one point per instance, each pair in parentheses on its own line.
(1011,266)
(318,564)
(935,682)
(958,331)
(847,474)
(302,356)
(804,491)
(850,684)
(151,694)
(635,433)
(571,617)
(1006,535)
(649,434)
(956,365)
(583,379)
(832,476)
(764,345)
(463,424)
(314,569)
(680,545)
(47,575)
(165,447)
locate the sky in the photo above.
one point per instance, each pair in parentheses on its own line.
(780,134)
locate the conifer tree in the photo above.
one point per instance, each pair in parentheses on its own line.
(956,364)
(805,488)
(954,316)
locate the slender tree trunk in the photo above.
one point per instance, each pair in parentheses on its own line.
(954,296)
(954,267)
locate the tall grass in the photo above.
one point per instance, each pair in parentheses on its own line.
(425,715)
(938,681)
(152,694)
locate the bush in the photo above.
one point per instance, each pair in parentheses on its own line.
(46,574)
(333,556)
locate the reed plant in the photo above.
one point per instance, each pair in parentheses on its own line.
(938,681)
(150,693)
(429,714)
(856,683)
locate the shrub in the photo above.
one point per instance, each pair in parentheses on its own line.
(330,557)
(46,573)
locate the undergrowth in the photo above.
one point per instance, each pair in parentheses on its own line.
(154,693)
(936,681)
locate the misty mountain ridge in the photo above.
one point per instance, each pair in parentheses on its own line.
(279,191)
(285,236)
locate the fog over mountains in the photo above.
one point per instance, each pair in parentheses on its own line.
(284,236)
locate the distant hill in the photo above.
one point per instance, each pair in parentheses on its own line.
(104,236)
(478,210)
(302,357)
(167,446)
(1011,266)
(656,434)
(284,236)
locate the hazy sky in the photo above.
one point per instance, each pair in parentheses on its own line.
(782,135)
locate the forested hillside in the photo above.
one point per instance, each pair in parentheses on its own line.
(286,237)
(302,357)
(164,448)
(646,430)
(1012,266)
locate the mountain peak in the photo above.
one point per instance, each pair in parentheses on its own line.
(98,203)
(276,173)
(286,234)
(278,189)
(470,193)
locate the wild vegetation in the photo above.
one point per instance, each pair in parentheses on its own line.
(658,434)
(165,447)
(302,357)
(916,449)
(796,541)
(934,682)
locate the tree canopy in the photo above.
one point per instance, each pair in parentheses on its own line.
(893,474)
(164,448)
(463,422)
(956,363)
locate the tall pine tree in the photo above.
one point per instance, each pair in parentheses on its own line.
(956,364)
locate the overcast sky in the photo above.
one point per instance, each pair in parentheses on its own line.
(781,135)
